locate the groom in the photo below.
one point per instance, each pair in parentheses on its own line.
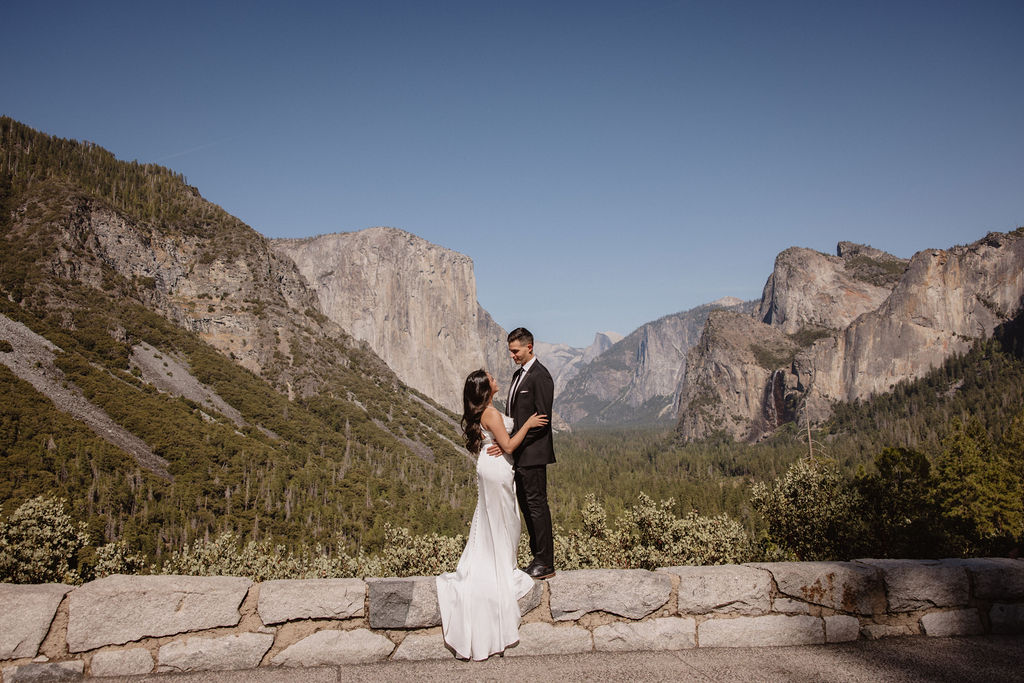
(532,391)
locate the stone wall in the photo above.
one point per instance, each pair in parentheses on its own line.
(124,625)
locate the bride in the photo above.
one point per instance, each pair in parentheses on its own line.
(479,600)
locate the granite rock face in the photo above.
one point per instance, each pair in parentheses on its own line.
(413,302)
(227,285)
(119,609)
(208,293)
(564,361)
(27,613)
(733,379)
(857,323)
(944,301)
(638,379)
(811,290)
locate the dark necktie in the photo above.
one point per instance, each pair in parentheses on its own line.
(512,391)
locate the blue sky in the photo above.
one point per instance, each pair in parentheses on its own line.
(603,163)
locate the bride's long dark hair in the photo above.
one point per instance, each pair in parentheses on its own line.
(475,397)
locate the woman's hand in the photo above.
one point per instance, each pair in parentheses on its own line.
(536,420)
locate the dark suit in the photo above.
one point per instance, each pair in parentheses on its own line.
(535,394)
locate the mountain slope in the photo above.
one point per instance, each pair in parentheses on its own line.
(564,361)
(319,442)
(637,379)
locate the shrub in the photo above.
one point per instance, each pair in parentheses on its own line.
(404,554)
(810,511)
(40,543)
(260,561)
(649,535)
(117,558)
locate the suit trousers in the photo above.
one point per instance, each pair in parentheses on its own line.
(532,493)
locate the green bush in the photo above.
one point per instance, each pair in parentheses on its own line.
(40,543)
(811,512)
(117,558)
(259,561)
(649,535)
(405,554)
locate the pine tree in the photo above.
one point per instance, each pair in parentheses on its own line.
(976,493)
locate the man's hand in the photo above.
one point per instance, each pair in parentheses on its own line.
(495,450)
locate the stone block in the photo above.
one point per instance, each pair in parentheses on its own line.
(540,638)
(333,648)
(841,628)
(770,630)
(420,646)
(119,609)
(631,593)
(961,622)
(27,613)
(665,633)
(912,585)
(290,600)
(1007,618)
(725,589)
(996,579)
(45,672)
(531,600)
(130,662)
(224,653)
(409,602)
(842,586)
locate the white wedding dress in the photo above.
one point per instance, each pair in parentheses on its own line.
(479,600)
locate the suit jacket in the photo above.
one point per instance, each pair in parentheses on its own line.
(535,394)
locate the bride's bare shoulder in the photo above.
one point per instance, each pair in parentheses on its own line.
(490,415)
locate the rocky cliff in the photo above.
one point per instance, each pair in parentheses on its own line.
(811,290)
(944,301)
(414,303)
(239,296)
(637,379)
(843,327)
(564,361)
(732,383)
